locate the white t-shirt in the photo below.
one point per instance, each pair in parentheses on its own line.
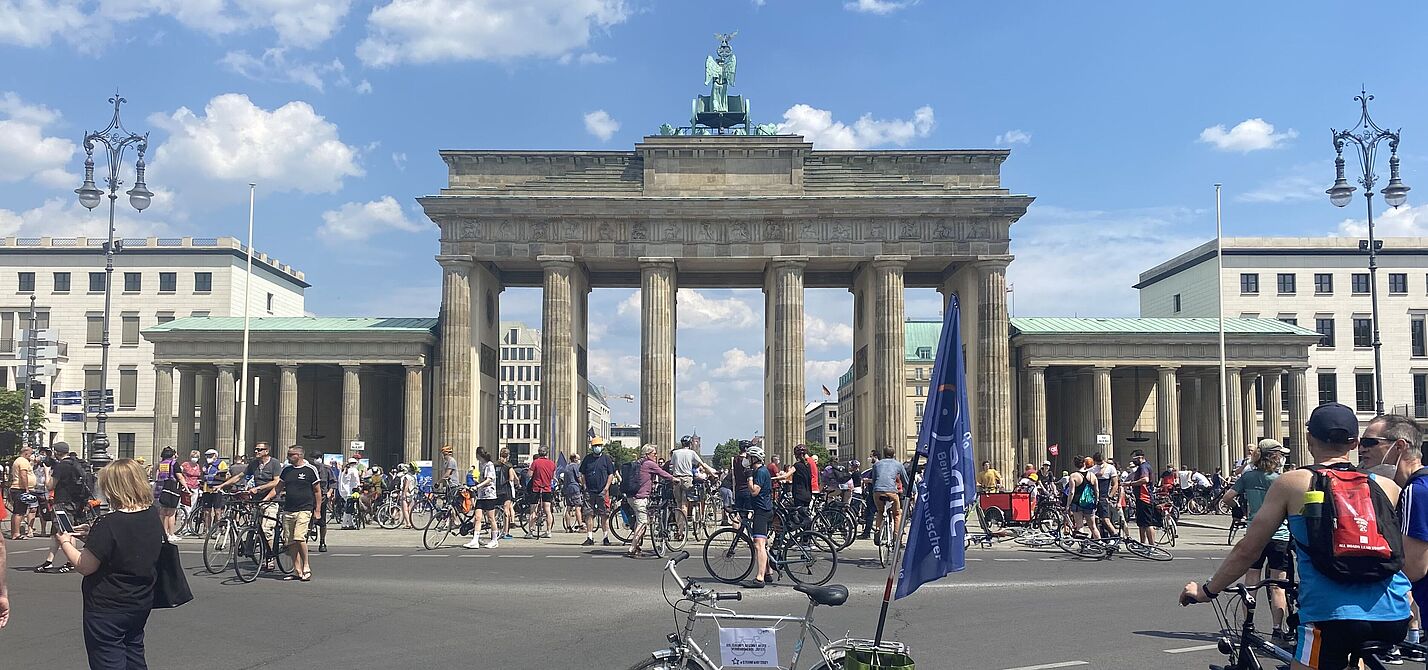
(350,481)
(1200,479)
(1183,477)
(488,476)
(682,460)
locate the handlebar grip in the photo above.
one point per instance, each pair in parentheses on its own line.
(679,557)
(737,595)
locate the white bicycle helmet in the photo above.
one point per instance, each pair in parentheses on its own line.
(756,452)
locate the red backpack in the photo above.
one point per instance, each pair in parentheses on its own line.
(1353,532)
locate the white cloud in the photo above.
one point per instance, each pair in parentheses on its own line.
(1407,221)
(1013,136)
(877,6)
(818,374)
(1071,262)
(399,159)
(35,23)
(600,124)
(1290,188)
(702,399)
(620,373)
(818,126)
(26,151)
(698,311)
(363,87)
(65,217)
(425,31)
(586,58)
(737,363)
(821,334)
(361,220)
(1248,135)
(290,148)
(296,23)
(273,66)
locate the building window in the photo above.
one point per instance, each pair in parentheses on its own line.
(94,329)
(61,282)
(27,282)
(1363,391)
(126,445)
(270,303)
(918,407)
(199,312)
(1249,282)
(1420,395)
(1323,283)
(164,317)
(91,380)
(1363,332)
(96,282)
(1175,303)
(1359,282)
(1284,393)
(1417,336)
(168,282)
(1325,327)
(1291,320)
(202,282)
(1398,282)
(832,413)
(133,282)
(128,389)
(130,331)
(1286,282)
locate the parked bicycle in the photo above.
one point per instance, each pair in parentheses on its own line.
(257,549)
(805,556)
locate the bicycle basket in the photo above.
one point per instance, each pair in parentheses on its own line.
(868,657)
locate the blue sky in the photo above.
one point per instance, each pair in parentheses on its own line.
(1120,116)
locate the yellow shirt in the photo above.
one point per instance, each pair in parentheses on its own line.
(22,474)
(988,478)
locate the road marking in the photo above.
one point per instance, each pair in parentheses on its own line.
(974,559)
(474,555)
(183,552)
(515,555)
(1049,666)
(557,556)
(1010,559)
(346,554)
(387,555)
(1186,650)
(1048,559)
(424,555)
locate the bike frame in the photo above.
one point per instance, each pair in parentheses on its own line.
(1244,657)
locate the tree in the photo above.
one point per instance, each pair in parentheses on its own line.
(725,452)
(619,453)
(816,448)
(12,420)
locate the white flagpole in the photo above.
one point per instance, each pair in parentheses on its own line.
(247,317)
(1220,309)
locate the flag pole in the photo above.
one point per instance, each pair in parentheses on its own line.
(894,564)
(242,445)
(1220,310)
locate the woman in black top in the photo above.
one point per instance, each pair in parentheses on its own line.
(120,551)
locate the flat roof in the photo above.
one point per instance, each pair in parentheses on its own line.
(1279,246)
(1060,325)
(341,324)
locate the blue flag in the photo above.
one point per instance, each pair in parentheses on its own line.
(559,472)
(935,541)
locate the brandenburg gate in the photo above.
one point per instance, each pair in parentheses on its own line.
(752,210)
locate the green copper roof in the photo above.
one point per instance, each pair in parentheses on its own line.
(296,323)
(920,336)
(1048,325)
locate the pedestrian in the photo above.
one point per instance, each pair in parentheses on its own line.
(406,493)
(299,484)
(4,589)
(542,476)
(485,501)
(215,472)
(801,483)
(1274,561)
(740,482)
(1147,514)
(1413,505)
(1183,478)
(645,477)
(168,488)
(573,493)
(327,476)
(989,480)
(69,491)
(760,483)
(1107,478)
(596,475)
(447,479)
(22,476)
(1084,498)
(120,551)
(506,491)
(192,484)
(350,483)
(682,462)
(39,514)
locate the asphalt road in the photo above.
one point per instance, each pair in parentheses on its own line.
(550,603)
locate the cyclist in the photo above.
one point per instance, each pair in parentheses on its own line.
(262,472)
(215,471)
(1107,480)
(682,462)
(327,476)
(596,476)
(989,480)
(1336,617)
(647,472)
(889,478)
(506,490)
(574,493)
(1147,514)
(192,484)
(760,484)
(1082,499)
(802,480)
(447,479)
(485,491)
(347,484)
(542,476)
(1275,558)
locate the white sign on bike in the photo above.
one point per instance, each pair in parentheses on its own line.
(748,647)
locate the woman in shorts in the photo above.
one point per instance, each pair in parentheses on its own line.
(506,491)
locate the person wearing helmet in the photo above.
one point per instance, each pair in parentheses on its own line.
(760,485)
(448,476)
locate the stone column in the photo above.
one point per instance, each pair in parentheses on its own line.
(1210,429)
(412,414)
(1272,407)
(1234,411)
(250,429)
(1167,414)
(351,406)
(659,285)
(187,391)
(994,416)
(287,405)
(557,384)
(1190,419)
(783,360)
(454,420)
(208,407)
(164,408)
(1101,421)
(1036,416)
(1295,437)
(1249,407)
(889,354)
(223,415)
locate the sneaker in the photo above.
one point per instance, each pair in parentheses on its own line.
(173,539)
(1413,655)
(606,542)
(493,544)
(322,547)
(1392,657)
(474,544)
(589,542)
(507,536)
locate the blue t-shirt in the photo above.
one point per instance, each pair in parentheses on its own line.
(597,470)
(887,473)
(1413,507)
(764,500)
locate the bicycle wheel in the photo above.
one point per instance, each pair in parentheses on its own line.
(689,662)
(810,557)
(1167,533)
(1147,551)
(282,557)
(1196,505)
(1036,538)
(218,546)
(621,524)
(729,556)
(835,523)
(885,546)
(248,555)
(422,511)
(389,515)
(674,538)
(994,519)
(438,531)
(1082,547)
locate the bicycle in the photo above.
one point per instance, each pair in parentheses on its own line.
(803,555)
(889,537)
(222,536)
(253,553)
(684,652)
(454,519)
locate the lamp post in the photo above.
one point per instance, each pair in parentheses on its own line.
(116,140)
(1365,136)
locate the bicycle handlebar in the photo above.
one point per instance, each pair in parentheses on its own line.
(691,588)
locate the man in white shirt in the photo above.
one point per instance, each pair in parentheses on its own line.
(1199,479)
(682,462)
(1182,478)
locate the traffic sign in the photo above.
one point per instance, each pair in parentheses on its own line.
(67,394)
(1103,439)
(66,401)
(47,335)
(42,352)
(94,393)
(71,416)
(94,409)
(41,370)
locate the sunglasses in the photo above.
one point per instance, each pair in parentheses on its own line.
(1372,442)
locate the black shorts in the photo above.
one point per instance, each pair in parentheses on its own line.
(169,499)
(1275,556)
(597,502)
(17,504)
(212,500)
(1147,515)
(1103,508)
(541,496)
(487,504)
(762,521)
(1326,645)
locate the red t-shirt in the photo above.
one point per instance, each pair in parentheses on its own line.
(542,472)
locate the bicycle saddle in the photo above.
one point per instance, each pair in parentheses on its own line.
(831,596)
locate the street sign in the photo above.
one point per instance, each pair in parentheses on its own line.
(94,409)
(66,401)
(46,335)
(357,445)
(43,352)
(67,394)
(1103,439)
(93,394)
(71,416)
(41,370)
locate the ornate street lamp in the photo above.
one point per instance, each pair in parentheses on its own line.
(116,140)
(1365,136)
